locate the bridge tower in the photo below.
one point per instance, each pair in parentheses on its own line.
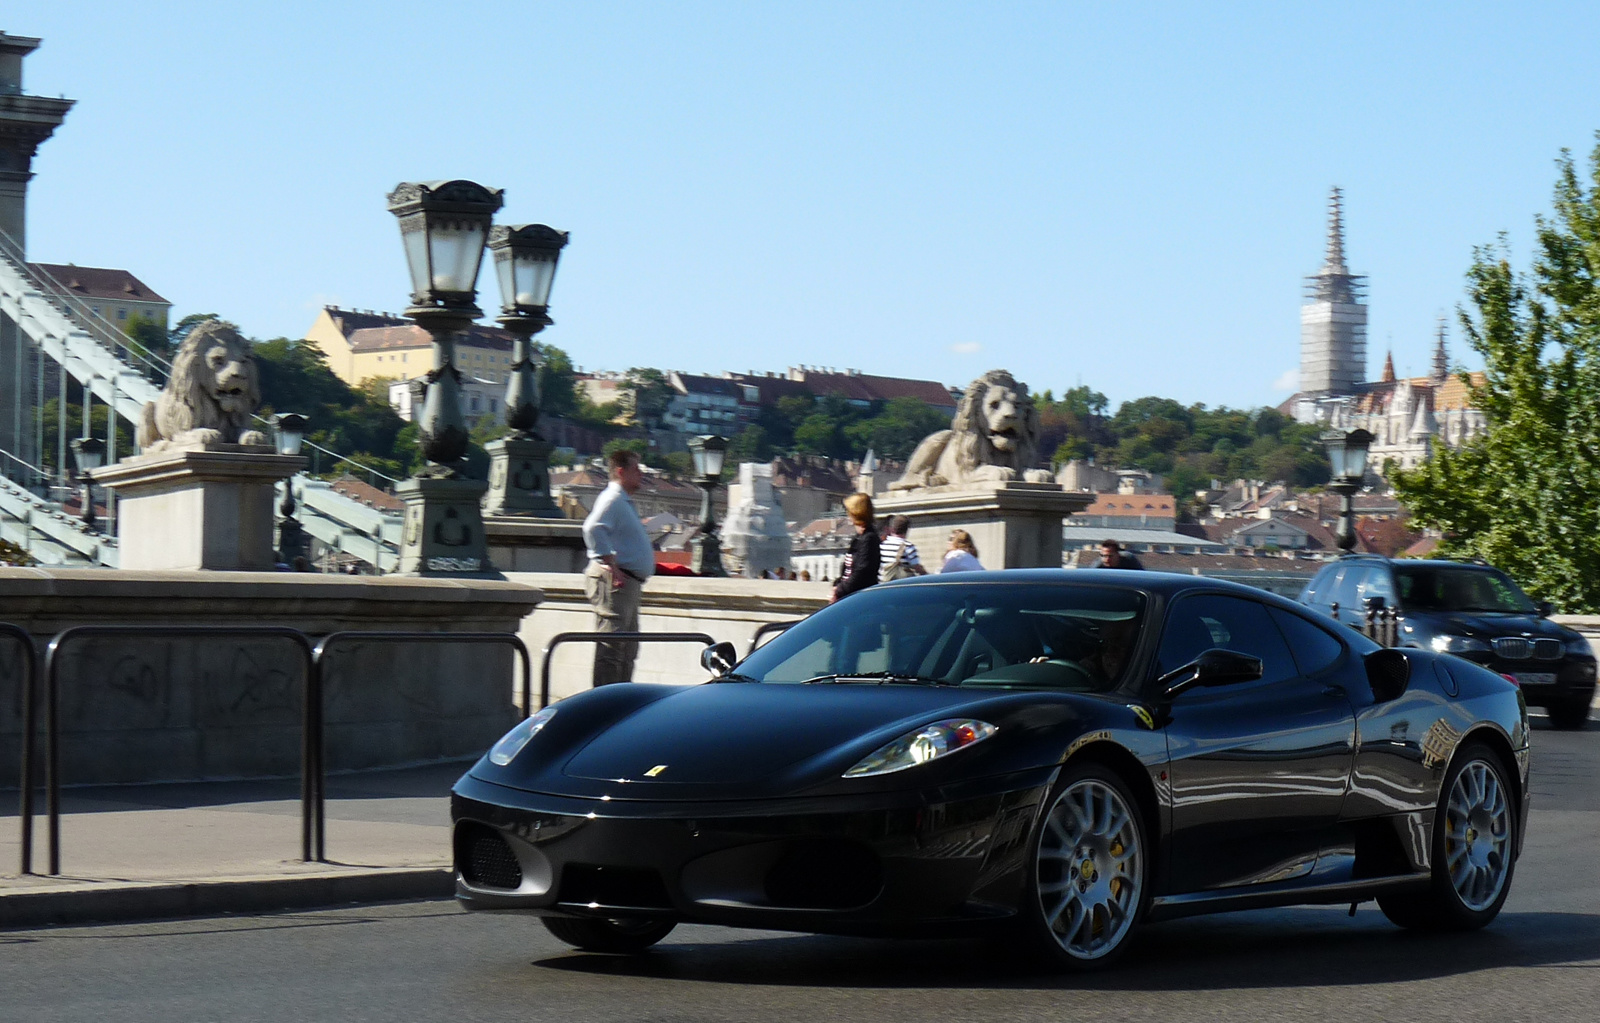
(25,121)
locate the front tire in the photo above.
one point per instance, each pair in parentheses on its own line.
(1089,871)
(1569,715)
(1474,839)
(620,937)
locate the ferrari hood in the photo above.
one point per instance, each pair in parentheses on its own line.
(744,733)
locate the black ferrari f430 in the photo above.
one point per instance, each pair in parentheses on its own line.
(1065,755)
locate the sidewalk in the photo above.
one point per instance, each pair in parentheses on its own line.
(143,851)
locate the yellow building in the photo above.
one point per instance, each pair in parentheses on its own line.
(362,345)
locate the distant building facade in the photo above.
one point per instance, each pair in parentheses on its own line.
(363,345)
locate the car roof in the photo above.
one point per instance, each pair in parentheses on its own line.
(1166,583)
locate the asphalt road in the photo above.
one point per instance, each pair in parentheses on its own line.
(429,961)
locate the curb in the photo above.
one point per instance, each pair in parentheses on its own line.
(149,901)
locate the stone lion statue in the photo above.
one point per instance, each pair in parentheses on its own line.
(212,393)
(993,438)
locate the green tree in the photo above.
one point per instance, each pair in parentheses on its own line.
(1526,495)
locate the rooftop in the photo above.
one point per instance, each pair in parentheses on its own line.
(98,282)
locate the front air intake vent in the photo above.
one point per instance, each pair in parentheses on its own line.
(484,860)
(825,874)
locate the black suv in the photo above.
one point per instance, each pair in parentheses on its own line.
(1473,611)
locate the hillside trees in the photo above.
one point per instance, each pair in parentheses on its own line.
(1526,495)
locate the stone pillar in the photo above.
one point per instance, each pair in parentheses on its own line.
(1014,525)
(192,510)
(444,527)
(519,478)
(25,121)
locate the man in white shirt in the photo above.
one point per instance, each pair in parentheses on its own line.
(620,560)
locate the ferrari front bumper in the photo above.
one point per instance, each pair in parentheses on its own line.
(895,862)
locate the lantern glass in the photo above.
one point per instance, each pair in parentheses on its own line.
(455,251)
(525,263)
(89,453)
(1355,452)
(709,452)
(290,429)
(414,233)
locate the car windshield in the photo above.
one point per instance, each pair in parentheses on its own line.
(982,635)
(1459,588)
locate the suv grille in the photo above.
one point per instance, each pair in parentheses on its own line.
(1513,648)
(1547,649)
(484,859)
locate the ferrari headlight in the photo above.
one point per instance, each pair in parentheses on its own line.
(929,742)
(1459,644)
(512,742)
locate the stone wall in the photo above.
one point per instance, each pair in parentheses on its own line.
(191,708)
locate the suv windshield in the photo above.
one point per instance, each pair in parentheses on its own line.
(985,635)
(1459,588)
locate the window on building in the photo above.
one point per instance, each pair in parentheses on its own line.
(122,314)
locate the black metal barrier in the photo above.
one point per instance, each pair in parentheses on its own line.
(310,732)
(30,668)
(607,637)
(770,629)
(318,798)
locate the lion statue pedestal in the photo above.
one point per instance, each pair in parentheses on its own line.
(200,494)
(198,509)
(980,475)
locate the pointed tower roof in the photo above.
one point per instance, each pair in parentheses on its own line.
(1441,359)
(869,463)
(1334,262)
(1388,368)
(1334,282)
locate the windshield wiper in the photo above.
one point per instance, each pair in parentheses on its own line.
(734,676)
(877,676)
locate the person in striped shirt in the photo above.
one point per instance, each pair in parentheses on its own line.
(897,557)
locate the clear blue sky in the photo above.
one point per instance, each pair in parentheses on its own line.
(1121,195)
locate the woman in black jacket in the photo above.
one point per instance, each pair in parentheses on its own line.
(862,563)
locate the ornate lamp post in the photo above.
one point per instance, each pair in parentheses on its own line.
(289,429)
(525,259)
(1347,454)
(444,225)
(89,454)
(706,556)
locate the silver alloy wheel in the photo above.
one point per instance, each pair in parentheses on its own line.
(1477,837)
(1090,869)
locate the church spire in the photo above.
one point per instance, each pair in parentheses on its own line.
(1441,360)
(1388,368)
(1334,264)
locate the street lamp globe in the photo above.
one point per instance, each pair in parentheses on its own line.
(444,225)
(525,258)
(708,452)
(1347,452)
(289,430)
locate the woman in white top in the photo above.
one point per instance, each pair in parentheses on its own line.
(962,555)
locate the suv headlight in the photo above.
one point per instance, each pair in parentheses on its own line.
(930,742)
(1459,644)
(510,744)
(1579,646)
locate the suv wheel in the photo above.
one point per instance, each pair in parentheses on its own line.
(1569,715)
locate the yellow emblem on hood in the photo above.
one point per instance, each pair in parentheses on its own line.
(655,770)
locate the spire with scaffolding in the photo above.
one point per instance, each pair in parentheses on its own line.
(1441,359)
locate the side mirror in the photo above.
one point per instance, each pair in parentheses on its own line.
(1376,603)
(1546,609)
(719,659)
(1388,673)
(1215,667)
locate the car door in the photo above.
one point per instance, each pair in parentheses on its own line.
(1258,769)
